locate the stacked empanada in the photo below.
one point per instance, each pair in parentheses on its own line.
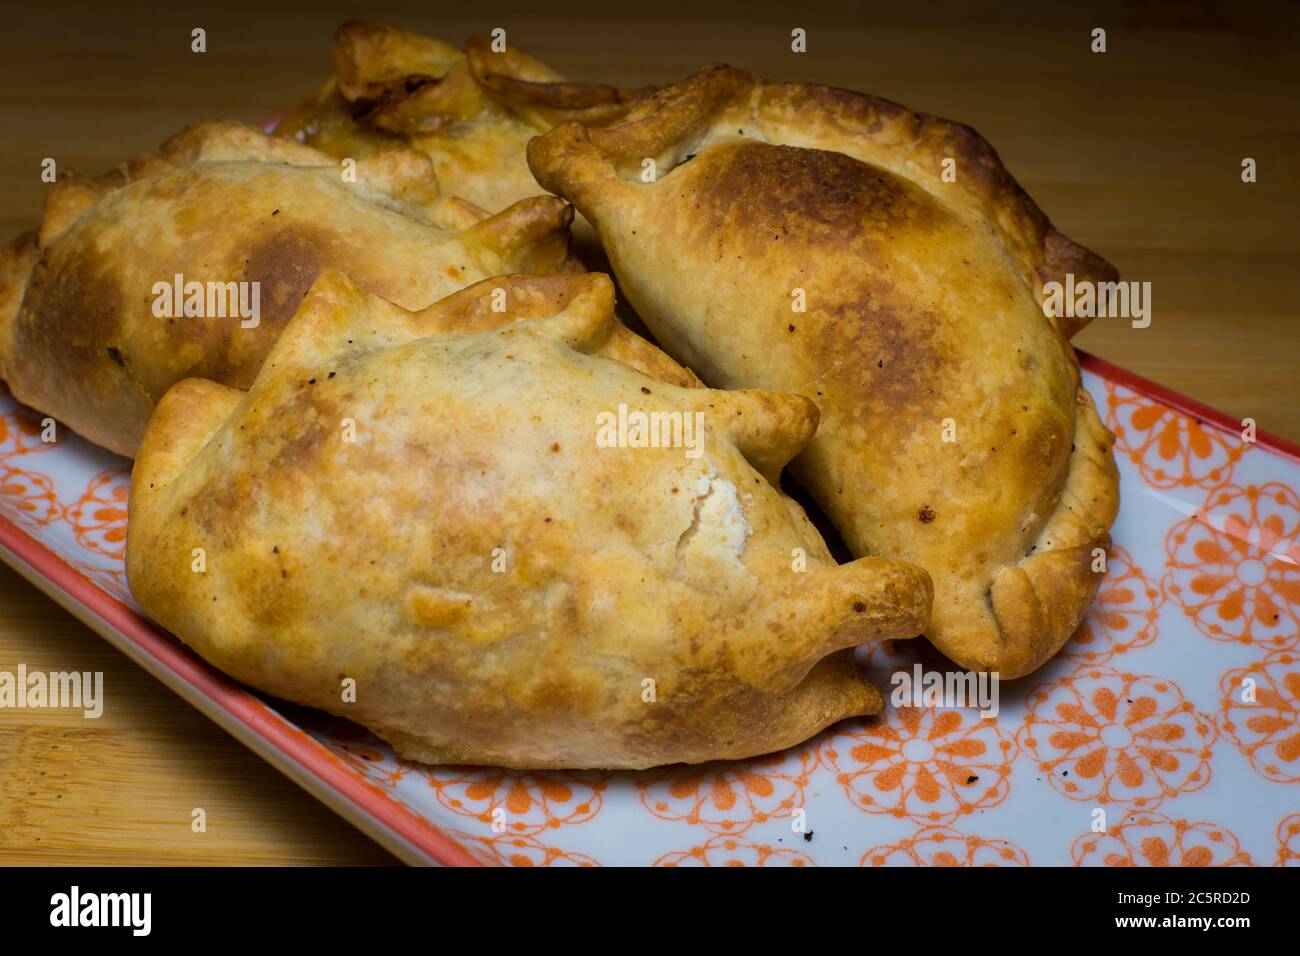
(100,317)
(446,494)
(471,111)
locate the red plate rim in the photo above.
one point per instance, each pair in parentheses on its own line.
(1188,406)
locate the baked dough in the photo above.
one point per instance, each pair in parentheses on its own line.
(472,111)
(922,322)
(81,337)
(476,441)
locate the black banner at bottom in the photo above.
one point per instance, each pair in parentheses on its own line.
(333,906)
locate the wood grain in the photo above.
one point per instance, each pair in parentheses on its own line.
(1135,153)
(120,789)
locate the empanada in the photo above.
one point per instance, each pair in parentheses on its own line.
(95,324)
(420,508)
(803,239)
(471,112)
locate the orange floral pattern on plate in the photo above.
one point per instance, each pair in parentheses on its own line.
(1288,841)
(1169,449)
(372,763)
(729,850)
(1124,615)
(729,797)
(944,846)
(523,802)
(1108,737)
(1234,567)
(1266,731)
(1153,839)
(28,499)
(357,748)
(518,849)
(926,764)
(98,517)
(21,432)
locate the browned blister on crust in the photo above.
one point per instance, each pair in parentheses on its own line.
(421,503)
(83,335)
(803,239)
(472,111)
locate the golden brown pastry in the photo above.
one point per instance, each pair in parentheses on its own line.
(802,239)
(422,504)
(95,325)
(472,111)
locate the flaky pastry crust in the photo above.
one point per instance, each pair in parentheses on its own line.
(500,588)
(955,431)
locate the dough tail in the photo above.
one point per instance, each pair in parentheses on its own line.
(534,91)
(837,607)
(189,414)
(585,165)
(530,236)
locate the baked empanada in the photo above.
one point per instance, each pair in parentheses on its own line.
(420,508)
(471,112)
(803,239)
(95,325)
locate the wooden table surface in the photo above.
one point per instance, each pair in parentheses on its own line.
(1135,152)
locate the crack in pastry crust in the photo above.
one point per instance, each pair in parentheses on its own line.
(475,438)
(922,309)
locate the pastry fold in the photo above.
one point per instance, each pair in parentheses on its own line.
(95,318)
(805,239)
(422,504)
(472,111)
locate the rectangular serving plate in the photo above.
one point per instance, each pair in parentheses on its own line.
(62,528)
